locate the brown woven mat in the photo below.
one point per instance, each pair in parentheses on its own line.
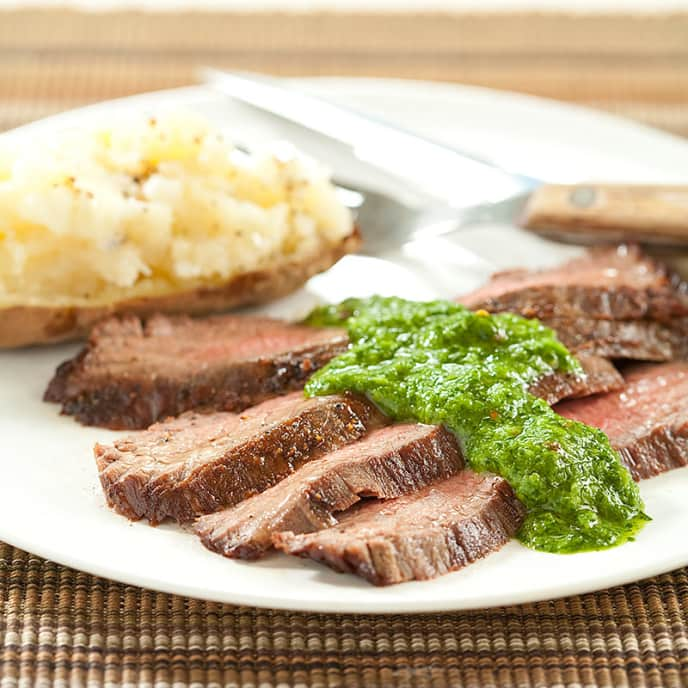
(61,627)
(65,628)
(635,65)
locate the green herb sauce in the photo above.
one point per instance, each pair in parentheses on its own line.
(438,362)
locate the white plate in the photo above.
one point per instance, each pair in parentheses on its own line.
(50,500)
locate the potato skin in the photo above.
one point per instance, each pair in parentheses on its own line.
(29,325)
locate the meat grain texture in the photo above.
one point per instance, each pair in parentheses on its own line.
(420,536)
(598,375)
(389,462)
(611,302)
(646,421)
(133,373)
(197,463)
(619,283)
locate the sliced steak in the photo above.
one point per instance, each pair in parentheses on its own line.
(609,283)
(642,340)
(599,375)
(389,462)
(419,536)
(197,464)
(646,421)
(133,373)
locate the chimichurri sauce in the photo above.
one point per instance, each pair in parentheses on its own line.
(438,362)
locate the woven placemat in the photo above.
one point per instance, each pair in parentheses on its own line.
(61,627)
(65,628)
(633,65)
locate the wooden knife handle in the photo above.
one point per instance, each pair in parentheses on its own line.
(610,212)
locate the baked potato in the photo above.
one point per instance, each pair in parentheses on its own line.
(155,214)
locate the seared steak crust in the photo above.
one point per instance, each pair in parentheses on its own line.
(599,375)
(607,283)
(419,536)
(662,450)
(646,421)
(389,462)
(197,464)
(642,340)
(132,374)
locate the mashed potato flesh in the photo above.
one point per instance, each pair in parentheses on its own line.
(150,206)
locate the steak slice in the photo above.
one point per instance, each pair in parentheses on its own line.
(419,536)
(646,421)
(599,375)
(618,283)
(642,340)
(196,464)
(132,373)
(389,462)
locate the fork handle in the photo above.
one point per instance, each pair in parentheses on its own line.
(610,212)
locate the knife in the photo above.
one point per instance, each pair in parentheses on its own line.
(478,190)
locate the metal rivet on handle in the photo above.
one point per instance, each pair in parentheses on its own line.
(583,196)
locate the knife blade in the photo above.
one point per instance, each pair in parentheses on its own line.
(458,178)
(480,191)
